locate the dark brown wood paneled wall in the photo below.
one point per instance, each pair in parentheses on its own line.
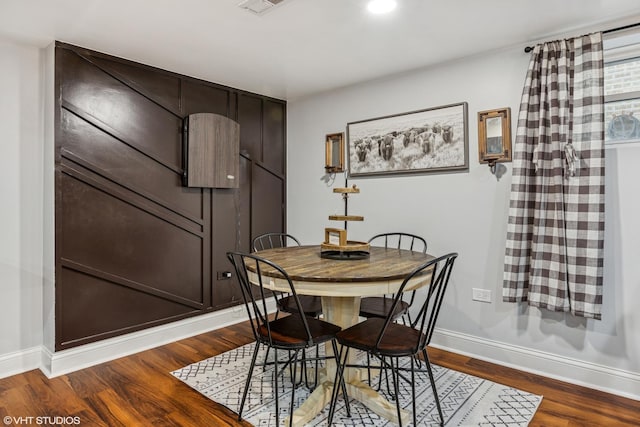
(134,248)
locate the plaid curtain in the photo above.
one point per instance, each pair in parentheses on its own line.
(555,234)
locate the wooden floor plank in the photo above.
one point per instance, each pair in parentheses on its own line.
(140,390)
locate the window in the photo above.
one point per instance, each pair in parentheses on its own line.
(622,87)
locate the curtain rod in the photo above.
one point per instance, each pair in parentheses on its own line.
(612,30)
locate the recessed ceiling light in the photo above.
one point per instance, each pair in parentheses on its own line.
(381,6)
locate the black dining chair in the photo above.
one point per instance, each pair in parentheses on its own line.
(294,333)
(379,306)
(312,305)
(390,341)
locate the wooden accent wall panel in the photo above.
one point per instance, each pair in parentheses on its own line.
(250,107)
(199,97)
(269,189)
(96,150)
(134,247)
(273,136)
(120,111)
(231,219)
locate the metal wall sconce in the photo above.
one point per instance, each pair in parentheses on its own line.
(494,137)
(334,153)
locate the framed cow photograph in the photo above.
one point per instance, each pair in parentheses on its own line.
(425,141)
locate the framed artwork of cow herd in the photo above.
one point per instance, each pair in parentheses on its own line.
(429,140)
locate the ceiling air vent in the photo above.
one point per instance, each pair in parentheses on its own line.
(259,6)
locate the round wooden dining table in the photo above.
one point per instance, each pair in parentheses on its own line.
(341,284)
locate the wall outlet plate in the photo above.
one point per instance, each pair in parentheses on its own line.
(482,295)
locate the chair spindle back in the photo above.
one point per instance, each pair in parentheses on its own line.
(401,241)
(274,240)
(425,321)
(252,272)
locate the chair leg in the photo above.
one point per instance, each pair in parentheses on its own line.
(334,392)
(380,374)
(342,382)
(315,379)
(303,368)
(418,361)
(413,391)
(394,376)
(433,385)
(248,382)
(339,378)
(303,365)
(293,386)
(384,372)
(386,379)
(275,381)
(266,358)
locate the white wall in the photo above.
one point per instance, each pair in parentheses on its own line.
(48,198)
(21,214)
(467,212)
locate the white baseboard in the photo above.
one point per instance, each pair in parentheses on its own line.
(63,362)
(20,361)
(53,364)
(574,371)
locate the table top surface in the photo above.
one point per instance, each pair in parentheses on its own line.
(303,263)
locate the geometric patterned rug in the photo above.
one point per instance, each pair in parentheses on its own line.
(466,400)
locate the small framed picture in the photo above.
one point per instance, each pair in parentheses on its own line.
(494,136)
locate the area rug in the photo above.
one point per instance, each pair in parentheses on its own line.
(466,400)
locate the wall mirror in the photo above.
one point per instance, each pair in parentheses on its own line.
(334,153)
(494,136)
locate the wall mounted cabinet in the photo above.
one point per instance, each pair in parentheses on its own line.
(212,151)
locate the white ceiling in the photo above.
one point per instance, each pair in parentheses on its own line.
(299,47)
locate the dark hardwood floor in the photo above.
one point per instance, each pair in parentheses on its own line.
(139,390)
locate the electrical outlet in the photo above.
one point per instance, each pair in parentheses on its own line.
(483,295)
(223,275)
